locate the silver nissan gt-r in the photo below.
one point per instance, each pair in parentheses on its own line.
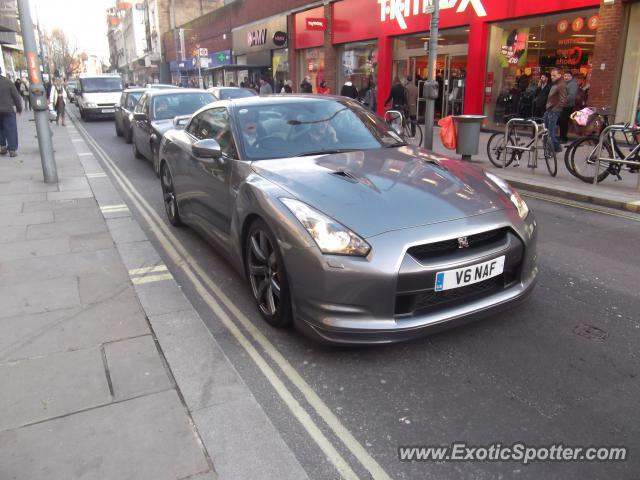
(339,226)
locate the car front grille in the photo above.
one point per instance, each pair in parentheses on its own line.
(416,295)
(107,105)
(429,251)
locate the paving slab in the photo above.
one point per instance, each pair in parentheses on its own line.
(144,438)
(22,197)
(125,230)
(205,375)
(135,367)
(58,205)
(87,214)
(244,444)
(37,296)
(34,248)
(24,336)
(69,194)
(13,234)
(90,242)
(68,183)
(57,229)
(158,298)
(14,219)
(51,386)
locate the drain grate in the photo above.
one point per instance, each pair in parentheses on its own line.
(590,332)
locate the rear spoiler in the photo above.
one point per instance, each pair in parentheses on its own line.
(181,121)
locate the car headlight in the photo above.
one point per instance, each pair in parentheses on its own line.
(516,199)
(330,236)
(91,105)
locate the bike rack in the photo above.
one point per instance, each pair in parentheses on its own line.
(533,149)
(606,133)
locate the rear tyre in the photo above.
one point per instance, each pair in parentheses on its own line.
(118,131)
(155,156)
(583,159)
(497,151)
(128,134)
(169,196)
(267,276)
(550,156)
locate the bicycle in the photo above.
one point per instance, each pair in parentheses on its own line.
(505,148)
(583,151)
(408,128)
(594,167)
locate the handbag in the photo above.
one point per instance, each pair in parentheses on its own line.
(448,134)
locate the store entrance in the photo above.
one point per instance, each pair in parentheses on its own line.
(411,60)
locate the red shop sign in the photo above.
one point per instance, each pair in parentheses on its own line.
(316,24)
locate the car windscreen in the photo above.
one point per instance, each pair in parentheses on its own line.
(132,99)
(310,127)
(101,84)
(171,105)
(231,93)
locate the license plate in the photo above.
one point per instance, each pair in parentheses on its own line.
(462,277)
(108,110)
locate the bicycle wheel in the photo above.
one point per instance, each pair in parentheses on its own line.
(496,150)
(583,159)
(568,155)
(550,156)
(417,138)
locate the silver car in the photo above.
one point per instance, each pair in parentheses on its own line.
(339,226)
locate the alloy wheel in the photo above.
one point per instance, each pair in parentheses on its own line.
(264,273)
(169,197)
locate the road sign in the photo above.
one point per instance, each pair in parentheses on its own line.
(429,9)
(203,52)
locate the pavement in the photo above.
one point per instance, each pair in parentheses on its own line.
(619,194)
(106,371)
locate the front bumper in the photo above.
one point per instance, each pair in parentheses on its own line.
(102,111)
(346,300)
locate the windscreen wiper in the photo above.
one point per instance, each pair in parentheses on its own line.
(326,152)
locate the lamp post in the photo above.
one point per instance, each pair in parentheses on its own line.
(431,86)
(37,93)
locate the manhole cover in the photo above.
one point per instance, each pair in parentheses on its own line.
(590,332)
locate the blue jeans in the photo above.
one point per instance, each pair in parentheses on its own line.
(551,122)
(8,131)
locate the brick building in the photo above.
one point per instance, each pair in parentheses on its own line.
(489,50)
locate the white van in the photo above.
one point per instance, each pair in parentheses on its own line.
(97,95)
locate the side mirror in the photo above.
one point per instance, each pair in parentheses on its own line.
(207,148)
(139,116)
(181,121)
(75,91)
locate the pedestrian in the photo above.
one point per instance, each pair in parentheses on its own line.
(397,97)
(412,101)
(370,97)
(24,91)
(305,86)
(572,93)
(58,100)
(9,98)
(349,90)
(265,86)
(540,103)
(555,104)
(323,89)
(287,87)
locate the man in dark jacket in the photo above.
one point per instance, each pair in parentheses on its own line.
(9,98)
(556,102)
(572,93)
(305,86)
(541,97)
(349,90)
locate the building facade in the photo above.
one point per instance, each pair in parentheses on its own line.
(489,51)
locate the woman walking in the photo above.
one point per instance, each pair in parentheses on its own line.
(58,99)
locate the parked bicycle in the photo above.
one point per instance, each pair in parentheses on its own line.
(522,136)
(580,156)
(408,128)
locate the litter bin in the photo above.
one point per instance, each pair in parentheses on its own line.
(468,134)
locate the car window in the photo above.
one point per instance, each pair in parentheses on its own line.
(231,93)
(171,105)
(215,124)
(123,99)
(308,126)
(132,100)
(101,84)
(139,108)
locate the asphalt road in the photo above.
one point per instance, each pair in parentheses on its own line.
(562,368)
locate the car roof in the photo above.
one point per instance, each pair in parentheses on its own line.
(100,75)
(162,85)
(280,99)
(172,91)
(135,89)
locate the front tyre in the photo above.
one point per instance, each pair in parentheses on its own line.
(497,150)
(550,157)
(267,276)
(169,196)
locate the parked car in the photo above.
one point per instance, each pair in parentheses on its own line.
(340,226)
(97,95)
(71,87)
(229,93)
(160,85)
(124,111)
(154,113)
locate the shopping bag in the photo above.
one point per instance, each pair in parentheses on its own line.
(448,132)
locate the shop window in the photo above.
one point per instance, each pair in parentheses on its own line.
(521,50)
(312,65)
(359,62)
